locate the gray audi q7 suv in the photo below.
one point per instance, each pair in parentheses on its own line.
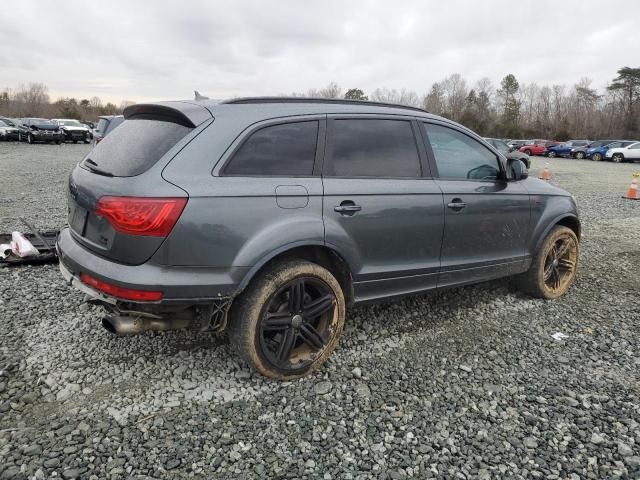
(268,217)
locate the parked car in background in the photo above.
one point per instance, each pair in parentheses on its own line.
(564,149)
(508,152)
(41,130)
(284,212)
(537,147)
(516,144)
(16,123)
(582,151)
(597,152)
(8,132)
(105,126)
(628,153)
(73,130)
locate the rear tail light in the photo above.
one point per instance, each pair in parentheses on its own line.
(121,292)
(152,217)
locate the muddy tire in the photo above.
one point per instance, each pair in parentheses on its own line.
(554,265)
(288,320)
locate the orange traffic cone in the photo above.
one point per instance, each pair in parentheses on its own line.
(546,173)
(632,193)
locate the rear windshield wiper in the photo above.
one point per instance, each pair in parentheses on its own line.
(93,166)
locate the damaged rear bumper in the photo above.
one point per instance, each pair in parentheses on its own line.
(192,296)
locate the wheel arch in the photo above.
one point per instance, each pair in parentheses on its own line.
(318,253)
(567,220)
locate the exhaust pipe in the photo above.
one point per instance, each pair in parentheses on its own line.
(126,325)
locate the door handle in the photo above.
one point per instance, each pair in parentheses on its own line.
(456,204)
(347,208)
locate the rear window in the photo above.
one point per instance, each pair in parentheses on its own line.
(102,124)
(134,147)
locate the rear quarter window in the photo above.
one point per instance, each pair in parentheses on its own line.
(287,149)
(135,146)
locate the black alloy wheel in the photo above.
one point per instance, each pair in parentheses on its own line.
(289,319)
(296,323)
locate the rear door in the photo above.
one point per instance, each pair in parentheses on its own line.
(486,218)
(381,208)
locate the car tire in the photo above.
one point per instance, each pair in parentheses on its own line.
(617,158)
(596,157)
(580,155)
(554,266)
(58,142)
(551,154)
(75,141)
(528,152)
(86,140)
(268,325)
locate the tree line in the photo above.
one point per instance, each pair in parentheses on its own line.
(511,109)
(518,110)
(33,100)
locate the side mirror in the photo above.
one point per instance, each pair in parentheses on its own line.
(516,169)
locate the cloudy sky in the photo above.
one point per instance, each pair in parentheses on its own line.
(157,49)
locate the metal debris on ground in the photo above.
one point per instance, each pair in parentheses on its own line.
(37,247)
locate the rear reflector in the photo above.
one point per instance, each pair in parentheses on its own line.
(121,292)
(152,217)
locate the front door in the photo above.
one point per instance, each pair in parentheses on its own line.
(378,209)
(486,217)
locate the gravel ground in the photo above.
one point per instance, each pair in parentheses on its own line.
(467,383)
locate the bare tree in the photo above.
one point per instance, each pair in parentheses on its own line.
(32,99)
(434,101)
(455,90)
(401,97)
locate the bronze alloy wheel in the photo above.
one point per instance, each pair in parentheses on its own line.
(560,265)
(596,157)
(554,265)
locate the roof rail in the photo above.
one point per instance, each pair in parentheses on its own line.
(249,100)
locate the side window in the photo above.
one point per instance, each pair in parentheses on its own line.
(460,156)
(635,147)
(373,148)
(288,149)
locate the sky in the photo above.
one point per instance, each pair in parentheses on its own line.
(142,50)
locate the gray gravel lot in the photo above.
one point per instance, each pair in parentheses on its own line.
(466,383)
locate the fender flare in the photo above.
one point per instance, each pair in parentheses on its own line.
(278,251)
(552,224)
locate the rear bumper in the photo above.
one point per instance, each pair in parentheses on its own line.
(75,135)
(180,285)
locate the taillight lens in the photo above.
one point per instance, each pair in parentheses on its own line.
(152,217)
(121,292)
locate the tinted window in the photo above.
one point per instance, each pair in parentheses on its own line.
(500,146)
(3,124)
(460,156)
(102,124)
(288,149)
(135,146)
(373,148)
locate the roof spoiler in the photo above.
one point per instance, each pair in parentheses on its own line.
(183,113)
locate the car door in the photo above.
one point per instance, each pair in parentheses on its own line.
(633,152)
(486,217)
(382,210)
